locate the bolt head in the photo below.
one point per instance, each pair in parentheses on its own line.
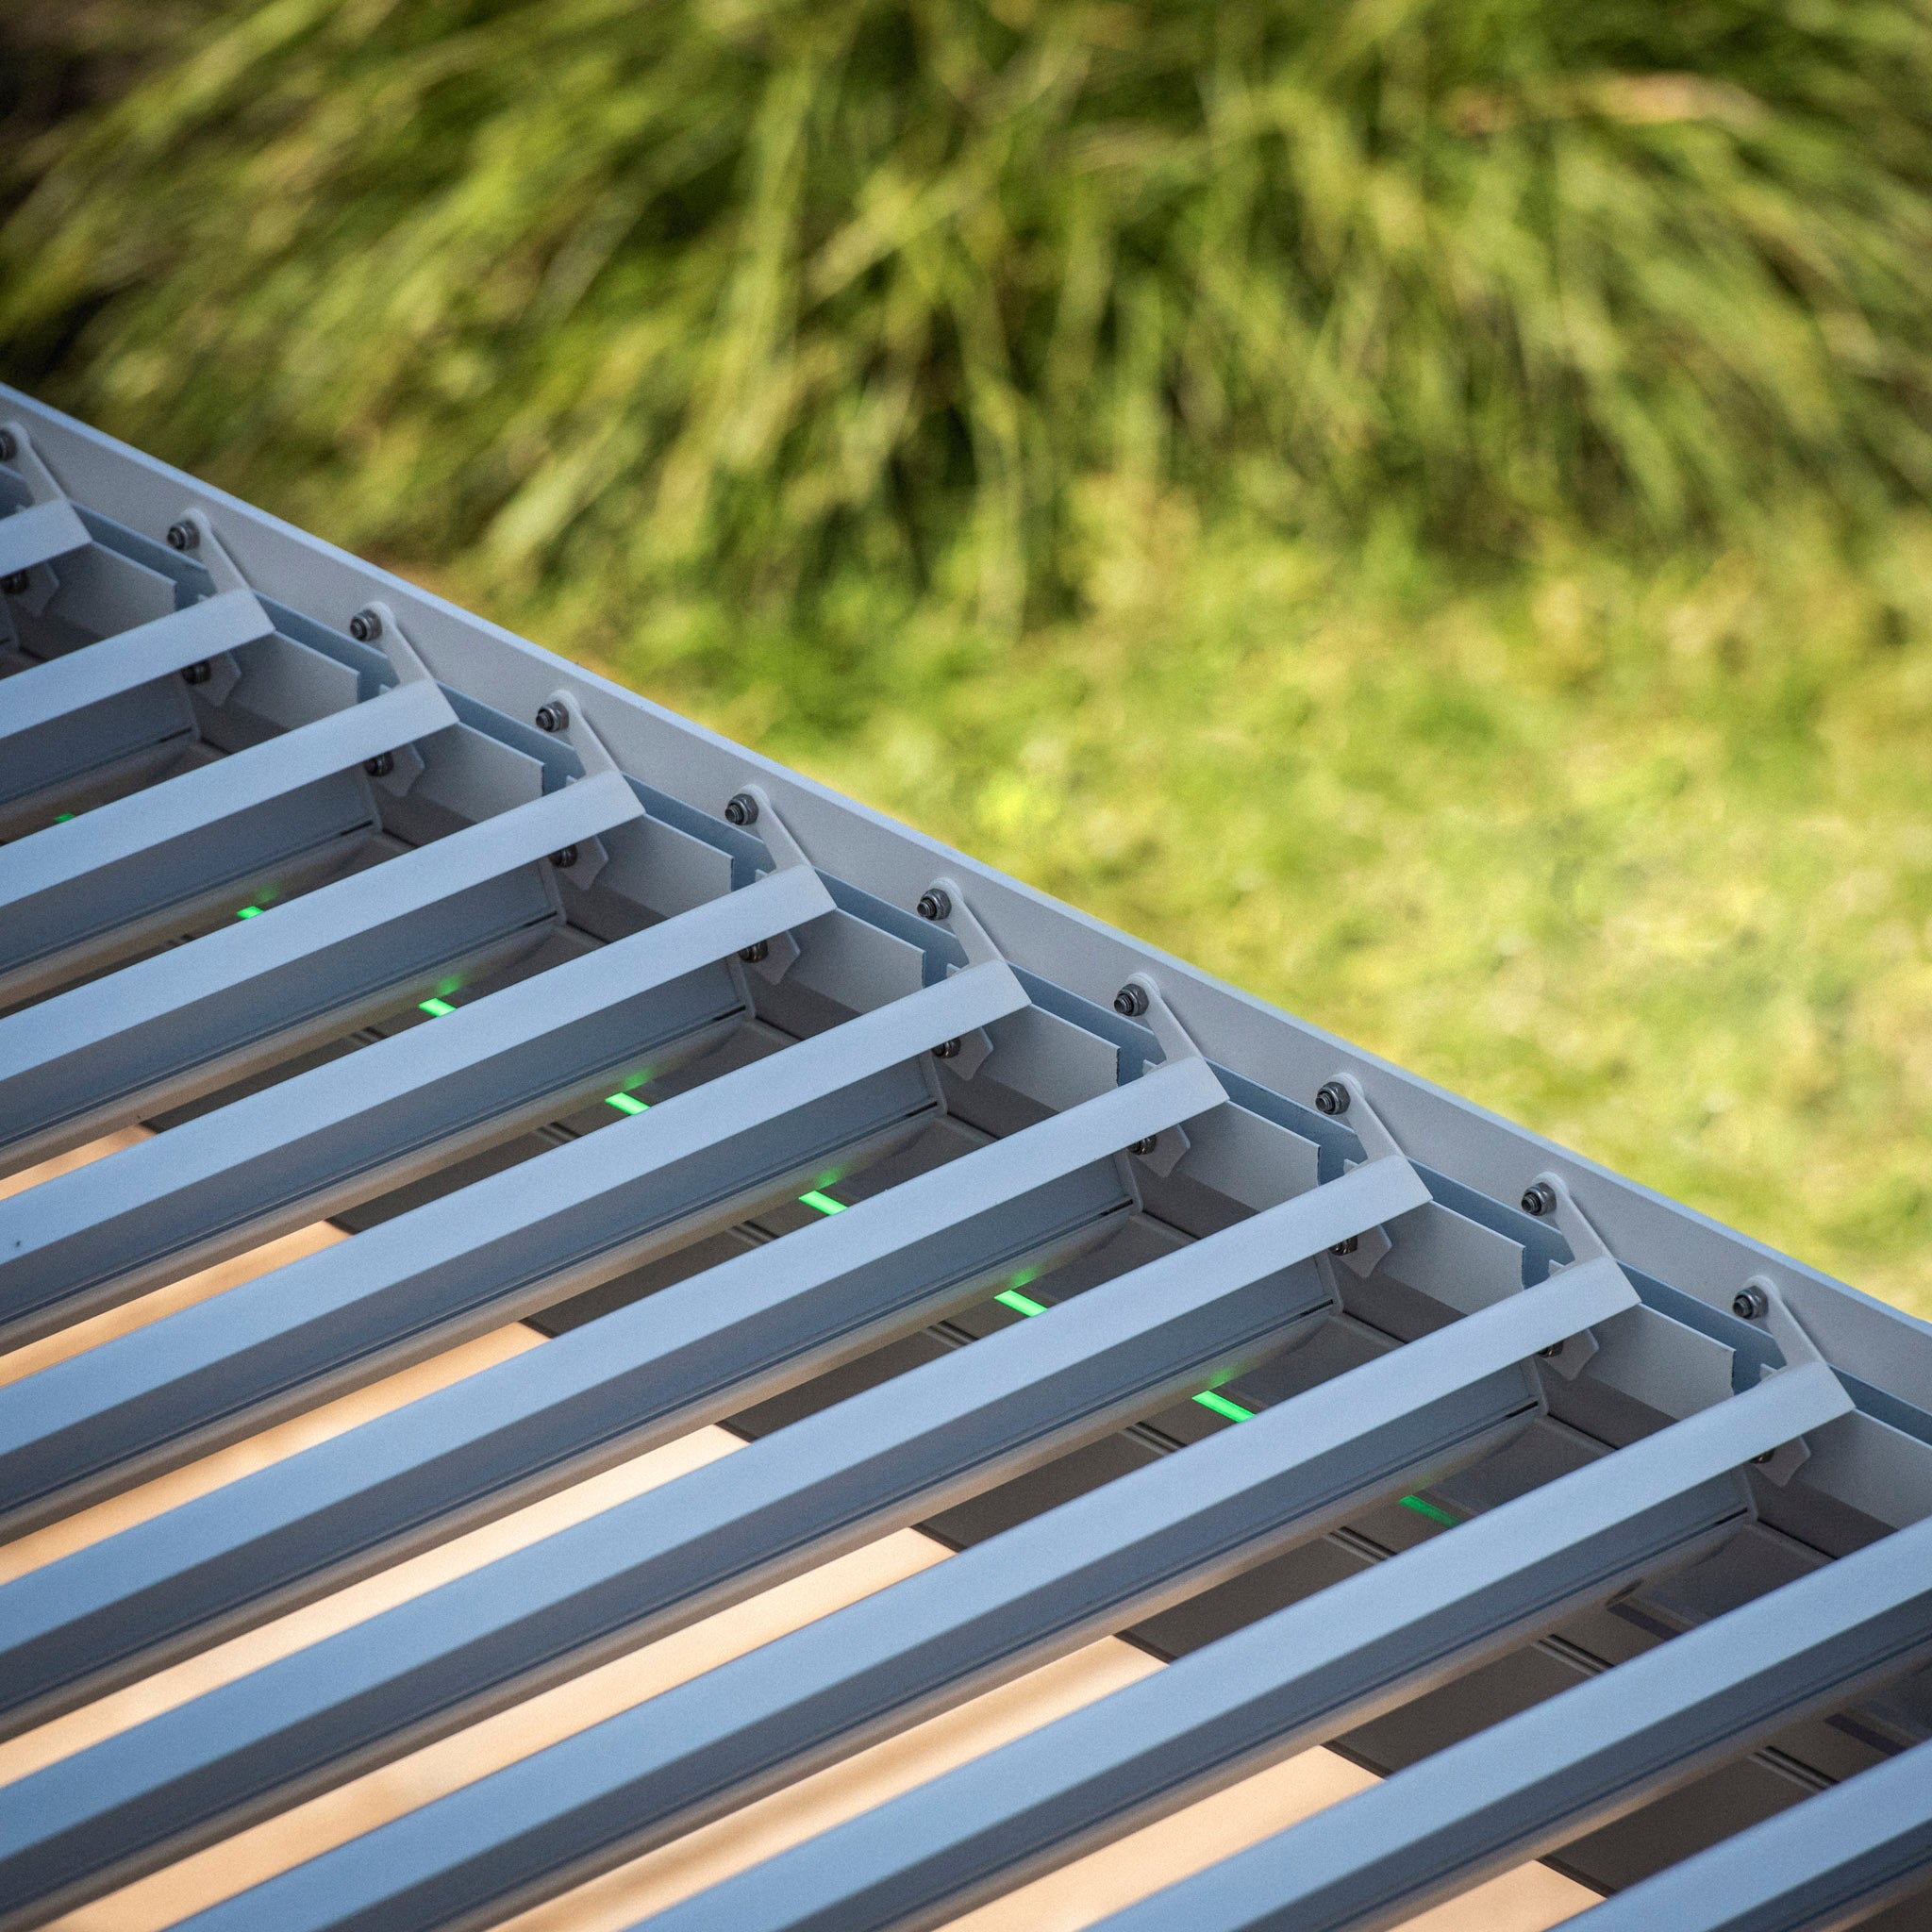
(366,626)
(1145,1147)
(1332,1097)
(564,860)
(1131,1001)
(1750,1304)
(1549,1354)
(753,954)
(381,765)
(9,445)
(1538,1198)
(740,809)
(183,536)
(15,583)
(198,674)
(1347,1247)
(936,903)
(552,716)
(947,1050)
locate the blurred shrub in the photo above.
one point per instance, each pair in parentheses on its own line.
(765,295)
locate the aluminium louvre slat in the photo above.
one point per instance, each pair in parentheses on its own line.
(690,1354)
(212,1186)
(1297,1677)
(487,1253)
(68,717)
(73,894)
(38,533)
(1590,1755)
(1831,1860)
(164,1029)
(791,1500)
(1008,1604)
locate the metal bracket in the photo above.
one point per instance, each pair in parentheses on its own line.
(780,952)
(1573,1353)
(1364,1253)
(1799,1351)
(42,579)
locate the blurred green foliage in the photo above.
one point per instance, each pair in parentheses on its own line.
(1421,508)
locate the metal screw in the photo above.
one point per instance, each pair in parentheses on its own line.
(947,1050)
(1145,1147)
(1131,1001)
(366,626)
(10,447)
(183,536)
(1750,1304)
(1554,1349)
(564,860)
(198,674)
(1347,1247)
(753,954)
(740,809)
(15,583)
(1766,1456)
(1332,1097)
(1538,1198)
(553,716)
(936,903)
(381,765)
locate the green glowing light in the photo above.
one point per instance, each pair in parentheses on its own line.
(814,1197)
(250,912)
(435,1008)
(1222,1406)
(626,1102)
(1434,1511)
(1020,1304)
(60,818)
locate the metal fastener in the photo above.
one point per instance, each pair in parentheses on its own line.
(564,860)
(15,583)
(366,626)
(1538,1198)
(1131,1001)
(183,536)
(1549,1354)
(1332,1097)
(936,903)
(553,716)
(1750,1304)
(198,674)
(1145,1147)
(947,1050)
(753,954)
(740,809)
(381,765)
(1347,1247)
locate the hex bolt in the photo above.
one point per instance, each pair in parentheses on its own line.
(740,809)
(1766,1456)
(947,1050)
(553,716)
(1551,1353)
(9,447)
(1145,1147)
(1131,1001)
(753,954)
(1332,1097)
(15,583)
(936,903)
(564,860)
(381,765)
(366,626)
(1347,1247)
(183,536)
(198,674)
(1750,1304)
(1538,1198)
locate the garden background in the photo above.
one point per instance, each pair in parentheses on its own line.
(1421,506)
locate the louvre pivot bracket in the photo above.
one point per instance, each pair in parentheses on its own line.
(42,488)
(1364,1253)
(1799,1351)
(785,850)
(1586,1245)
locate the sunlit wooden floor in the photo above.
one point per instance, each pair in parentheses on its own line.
(1526,1900)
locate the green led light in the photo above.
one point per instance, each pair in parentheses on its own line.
(250,912)
(822,1202)
(1434,1511)
(1222,1406)
(60,818)
(624,1103)
(1020,1304)
(436,1009)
